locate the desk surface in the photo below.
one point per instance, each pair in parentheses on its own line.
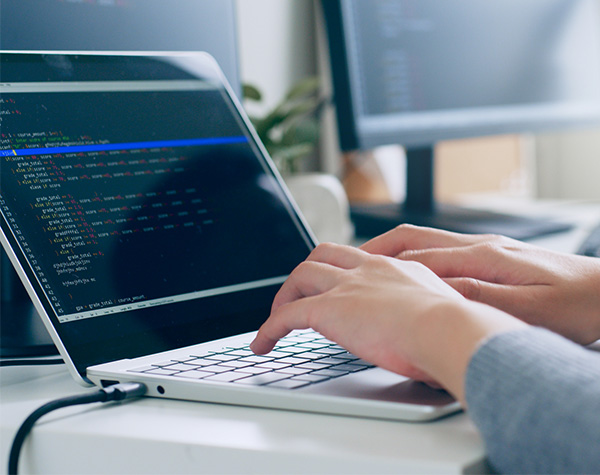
(165,436)
(162,436)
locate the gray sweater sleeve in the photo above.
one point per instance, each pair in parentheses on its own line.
(535,398)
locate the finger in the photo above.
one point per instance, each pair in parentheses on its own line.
(308,279)
(486,261)
(345,257)
(508,298)
(283,320)
(408,237)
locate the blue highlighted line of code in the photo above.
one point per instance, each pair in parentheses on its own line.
(124,146)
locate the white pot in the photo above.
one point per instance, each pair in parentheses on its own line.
(324,204)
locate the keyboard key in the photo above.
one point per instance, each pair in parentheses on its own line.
(239,352)
(262,379)
(293,360)
(310,355)
(312,366)
(294,370)
(199,362)
(180,367)
(277,354)
(236,364)
(222,357)
(162,372)
(164,363)
(331,351)
(332,361)
(272,365)
(337,347)
(350,367)
(216,369)
(253,370)
(257,359)
(282,344)
(292,349)
(363,362)
(329,372)
(313,345)
(347,356)
(183,360)
(322,339)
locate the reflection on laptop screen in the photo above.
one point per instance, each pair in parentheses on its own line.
(126,194)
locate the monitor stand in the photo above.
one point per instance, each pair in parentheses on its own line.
(22,332)
(420,208)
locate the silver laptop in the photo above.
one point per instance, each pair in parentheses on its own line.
(152,232)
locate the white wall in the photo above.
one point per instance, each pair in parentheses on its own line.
(277,45)
(568,165)
(277,42)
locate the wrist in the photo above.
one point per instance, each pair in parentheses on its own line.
(448,335)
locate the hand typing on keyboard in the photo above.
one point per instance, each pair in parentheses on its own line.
(409,300)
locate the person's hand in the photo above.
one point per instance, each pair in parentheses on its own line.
(397,315)
(558,291)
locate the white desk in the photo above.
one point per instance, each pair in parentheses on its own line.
(163,436)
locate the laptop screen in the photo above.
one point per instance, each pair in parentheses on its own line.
(139,204)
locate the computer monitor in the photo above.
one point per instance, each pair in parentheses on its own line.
(103,25)
(417,72)
(124,25)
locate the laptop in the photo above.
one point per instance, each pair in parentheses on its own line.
(152,231)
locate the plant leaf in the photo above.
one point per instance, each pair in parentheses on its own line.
(307,87)
(301,131)
(251,92)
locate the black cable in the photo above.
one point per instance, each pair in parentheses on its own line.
(116,392)
(30,362)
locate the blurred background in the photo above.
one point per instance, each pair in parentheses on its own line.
(282,41)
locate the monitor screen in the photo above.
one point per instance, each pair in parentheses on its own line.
(124,25)
(415,72)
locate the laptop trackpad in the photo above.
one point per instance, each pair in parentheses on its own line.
(381,385)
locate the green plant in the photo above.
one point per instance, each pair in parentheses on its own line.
(290,131)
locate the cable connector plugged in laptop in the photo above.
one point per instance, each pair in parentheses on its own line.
(116,392)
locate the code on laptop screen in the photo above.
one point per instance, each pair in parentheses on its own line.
(128,194)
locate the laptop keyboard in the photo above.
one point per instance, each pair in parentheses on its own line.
(298,360)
